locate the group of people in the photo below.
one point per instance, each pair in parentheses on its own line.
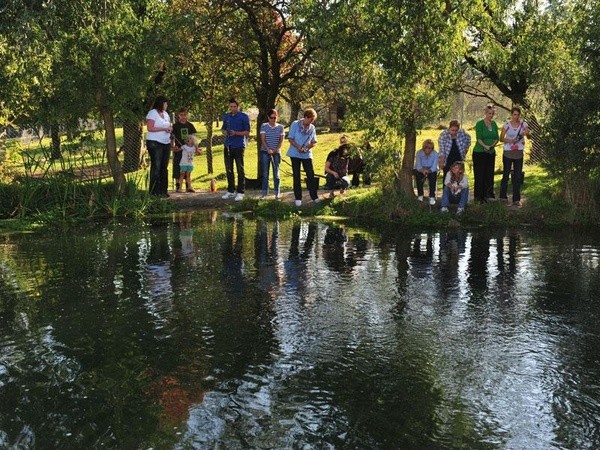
(163,137)
(454,143)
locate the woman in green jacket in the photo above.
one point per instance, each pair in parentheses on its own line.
(484,155)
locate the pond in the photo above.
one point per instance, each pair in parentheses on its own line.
(207,330)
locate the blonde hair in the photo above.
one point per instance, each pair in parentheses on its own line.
(193,138)
(461,172)
(430,142)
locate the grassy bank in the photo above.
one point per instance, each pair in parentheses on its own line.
(43,192)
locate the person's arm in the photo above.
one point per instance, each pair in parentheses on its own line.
(280,143)
(434,161)
(329,170)
(418,163)
(263,140)
(246,128)
(503,137)
(448,180)
(466,138)
(292,136)
(152,127)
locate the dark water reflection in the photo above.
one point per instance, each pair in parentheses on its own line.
(242,334)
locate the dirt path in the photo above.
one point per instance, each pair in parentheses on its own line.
(206,199)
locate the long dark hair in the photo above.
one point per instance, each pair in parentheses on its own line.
(159,103)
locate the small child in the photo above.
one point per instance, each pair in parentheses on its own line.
(188,150)
(456,188)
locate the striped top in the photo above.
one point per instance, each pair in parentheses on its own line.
(272,134)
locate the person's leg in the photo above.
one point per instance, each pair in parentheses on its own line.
(517,179)
(432,179)
(506,164)
(446,197)
(177,168)
(265,164)
(164,173)
(419,178)
(188,181)
(238,155)
(307,164)
(478,175)
(227,154)
(154,151)
(463,198)
(330,182)
(276,161)
(180,181)
(490,166)
(297,176)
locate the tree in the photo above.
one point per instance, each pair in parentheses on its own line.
(519,46)
(571,135)
(406,54)
(101,58)
(274,44)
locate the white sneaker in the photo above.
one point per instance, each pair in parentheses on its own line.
(228,195)
(432,201)
(420,198)
(444,210)
(459,211)
(239,197)
(277,197)
(317,200)
(298,202)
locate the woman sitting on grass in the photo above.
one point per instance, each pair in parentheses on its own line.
(456,188)
(336,169)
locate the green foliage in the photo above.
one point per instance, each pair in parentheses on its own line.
(571,135)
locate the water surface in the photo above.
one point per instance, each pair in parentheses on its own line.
(205,331)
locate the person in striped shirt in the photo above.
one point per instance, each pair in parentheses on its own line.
(271,136)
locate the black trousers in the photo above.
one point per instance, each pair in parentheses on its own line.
(159,165)
(307,165)
(483,172)
(235,156)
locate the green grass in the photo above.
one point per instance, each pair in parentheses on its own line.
(543,203)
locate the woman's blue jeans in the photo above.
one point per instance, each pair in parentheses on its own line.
(517,178)
(266,161)
(461,198)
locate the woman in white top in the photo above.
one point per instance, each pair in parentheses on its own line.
(158,143)
(513,135)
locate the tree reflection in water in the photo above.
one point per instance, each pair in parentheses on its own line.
(205,330)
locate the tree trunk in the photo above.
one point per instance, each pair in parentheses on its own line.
(132,145)
(295,107)
(111,143)
(262,117)
(56,150)
(209,153)
(408,158)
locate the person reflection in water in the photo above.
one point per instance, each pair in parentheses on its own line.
(334,249)
(267,264)
(296,264)
(233,278)
(421,258)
